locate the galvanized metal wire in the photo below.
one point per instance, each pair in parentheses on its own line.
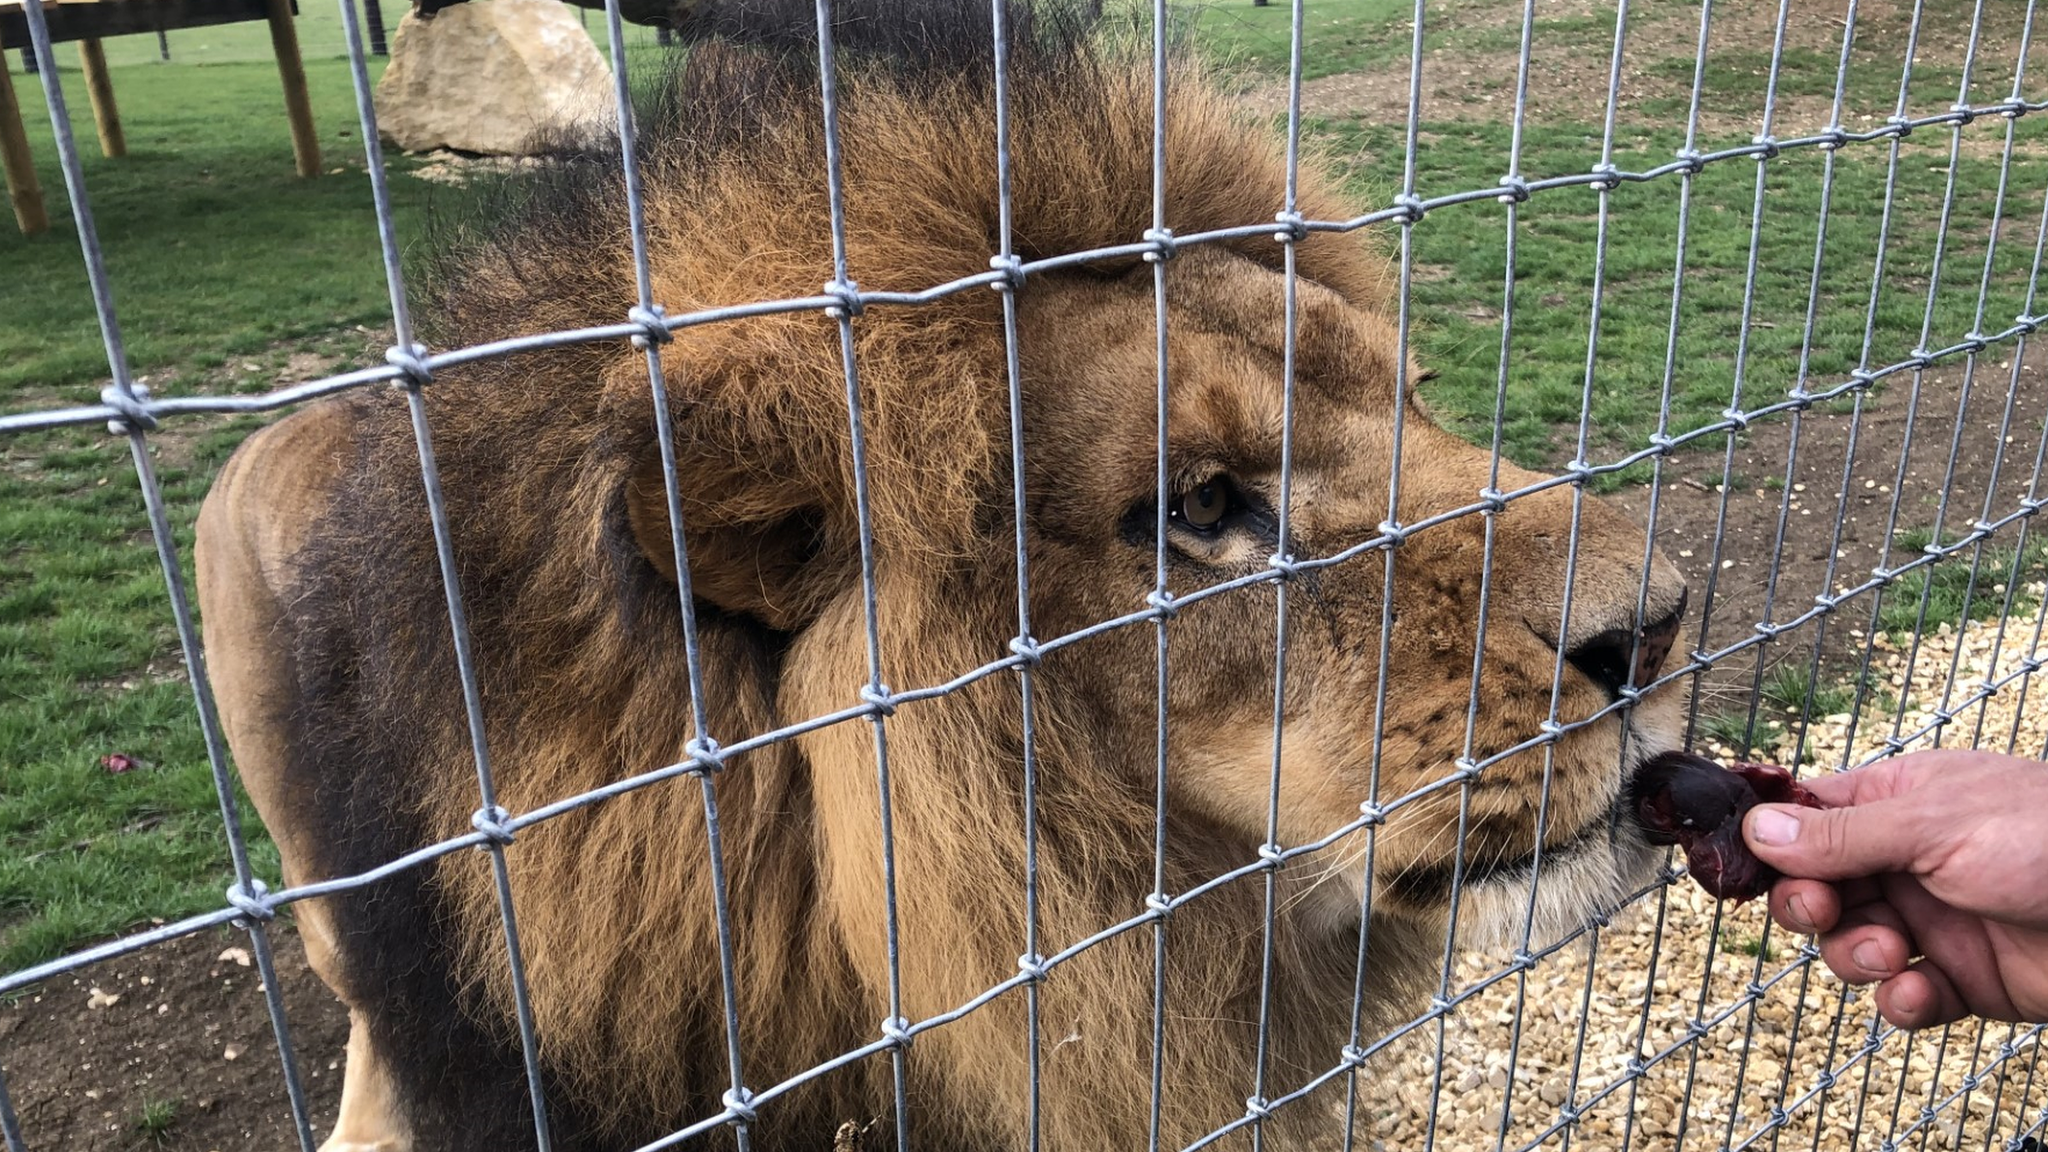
(131,412)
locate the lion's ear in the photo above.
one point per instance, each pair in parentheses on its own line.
(771,562)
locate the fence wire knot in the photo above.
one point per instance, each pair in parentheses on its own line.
(1159,903)
(705,751)
(1012,270)
(1372,814)
(653,322)
(1272,856)
(1517,189)
(1492,500)
(1353,1056)
(1831,138)
(740,1102)
(1411,207)
(1164,246)
(1767,146)
(253,901)
(1293,228)
(896,1030)
(1284,567)
(1964,113)
(411,364)
(1258,1108)
(1031,966)
(493,822)
(1028,650)
(847,293)
(132,403)
(1691,162)
(880,701)
(1163,604)
(1607,177)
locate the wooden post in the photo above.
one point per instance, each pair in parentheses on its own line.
(99,88)
(373,23)
(298,106)
(19,164)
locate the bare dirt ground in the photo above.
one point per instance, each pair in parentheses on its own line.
(183,1025)
(1748,569)
(1472,75)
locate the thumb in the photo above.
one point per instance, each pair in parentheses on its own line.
(1835,843)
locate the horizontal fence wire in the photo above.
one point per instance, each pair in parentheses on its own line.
(1760,395)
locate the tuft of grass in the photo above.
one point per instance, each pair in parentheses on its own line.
(1790,685)
(157,1119)
(1746,944)
(1734,730)
(1952,588)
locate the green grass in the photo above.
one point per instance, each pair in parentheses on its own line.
(1338,36)
(1460,262)
(157,1119)
(1948,591)
(214,248)
(1790,685)
(89,667)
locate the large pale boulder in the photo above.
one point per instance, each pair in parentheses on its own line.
(488,75)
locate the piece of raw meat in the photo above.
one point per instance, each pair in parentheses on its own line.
(1698,805)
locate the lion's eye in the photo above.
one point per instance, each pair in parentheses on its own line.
(1204,508)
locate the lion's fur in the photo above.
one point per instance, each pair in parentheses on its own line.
(548,464)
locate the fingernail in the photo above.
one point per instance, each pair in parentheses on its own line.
(1868,956)
(1770,826)
(1797,906)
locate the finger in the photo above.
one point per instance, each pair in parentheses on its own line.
(1808,907)
(1955,944)
(1837,843)
(1871,942)
(1920,997)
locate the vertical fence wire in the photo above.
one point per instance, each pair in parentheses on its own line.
(1688,154)
(876,692)
(1161,597)
(1283,559)
(1023,645)
(1970,360)
(1802,376)
(1518,190)
(1742,364)
(246,893)
(701,744)
(1603,191)
(409,357)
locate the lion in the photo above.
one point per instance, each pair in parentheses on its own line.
(329,643)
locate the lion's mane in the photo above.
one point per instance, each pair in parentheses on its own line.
(578,641)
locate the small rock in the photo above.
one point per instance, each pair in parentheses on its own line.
(238,955)
(231,1052)
(1553,1091)
(100,999)
(1472,1079)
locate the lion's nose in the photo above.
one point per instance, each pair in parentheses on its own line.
(1622,657)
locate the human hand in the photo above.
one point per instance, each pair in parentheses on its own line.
(1927,874)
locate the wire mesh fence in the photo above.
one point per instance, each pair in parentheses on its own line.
(1662,1019)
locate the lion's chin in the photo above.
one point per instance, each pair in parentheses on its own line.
(1582,884)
